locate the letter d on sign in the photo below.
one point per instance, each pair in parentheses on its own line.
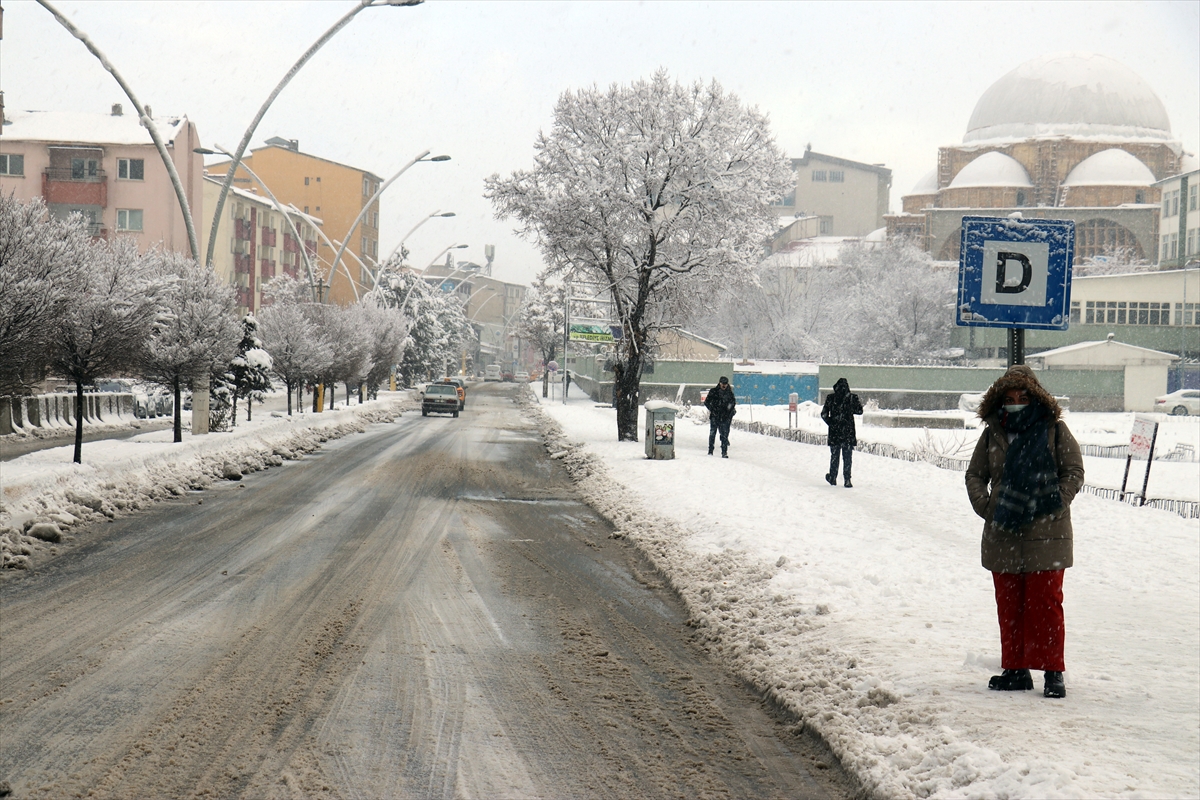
(1002,286)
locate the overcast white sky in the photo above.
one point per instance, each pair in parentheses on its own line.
(875,82)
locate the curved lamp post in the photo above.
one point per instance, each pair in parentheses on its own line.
(404,238)
(216,148)
(367,205)
(237,157)
(146,120)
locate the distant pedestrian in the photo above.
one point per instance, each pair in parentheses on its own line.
(1026,469)
(722,406)
(838,413)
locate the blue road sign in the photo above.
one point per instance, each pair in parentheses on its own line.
(1015,273)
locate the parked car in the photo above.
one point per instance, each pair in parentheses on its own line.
(522,377)
(461,384)
(491,372)
(1180,403)
(440,398)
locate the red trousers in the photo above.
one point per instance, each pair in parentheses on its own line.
(1032,628)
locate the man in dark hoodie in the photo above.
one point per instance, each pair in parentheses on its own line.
(721,405)
(838,413)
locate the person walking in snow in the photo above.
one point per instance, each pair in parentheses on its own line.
(722,406)
(1026,469)
(838,413)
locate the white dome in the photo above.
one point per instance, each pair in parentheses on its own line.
(1076,94)
(927,184)
(992,169)
(1110,168)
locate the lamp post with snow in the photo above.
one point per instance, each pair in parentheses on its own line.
(245,142)
(413,230)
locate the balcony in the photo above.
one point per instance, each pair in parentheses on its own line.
(243,230)
(245,296)
(289,243)
(243,264)
(71,187)
(267,269)
(268,237)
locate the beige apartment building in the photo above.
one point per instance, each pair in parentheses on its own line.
(1179,221)
(330,191)
(255,242)
(848,198)
(106,168)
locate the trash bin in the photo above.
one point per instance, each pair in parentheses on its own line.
(660,429)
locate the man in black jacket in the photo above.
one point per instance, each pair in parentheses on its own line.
(721,405)
(838,413)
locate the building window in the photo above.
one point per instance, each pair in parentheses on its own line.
(1103,237)
(84,168)
(131,169)
(1174,245)
(1139,197)
(129,219)
(826,226)
(306,207)
(1192,193)
(306,180)
(837,176)
(1175,203)
(366,247)
(12,165)
(1187,313)
(1191,242)
(1074,311)
(1020,197)
(818,176)
(366,186)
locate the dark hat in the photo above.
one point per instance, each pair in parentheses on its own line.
(723,379)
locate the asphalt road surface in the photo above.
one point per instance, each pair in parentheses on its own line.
(421,610)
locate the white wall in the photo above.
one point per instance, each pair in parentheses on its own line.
(1142,385)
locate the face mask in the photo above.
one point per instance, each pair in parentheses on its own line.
(1016,408)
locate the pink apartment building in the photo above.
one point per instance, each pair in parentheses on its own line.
(105,167)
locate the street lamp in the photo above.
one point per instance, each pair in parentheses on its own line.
(150,126)
(404,238)
(366,206)
(241,149)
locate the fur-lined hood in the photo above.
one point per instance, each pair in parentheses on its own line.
(1018,376)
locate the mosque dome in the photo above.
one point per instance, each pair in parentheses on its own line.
(992,170)
(1074,94)
(1110,168)
(927,185)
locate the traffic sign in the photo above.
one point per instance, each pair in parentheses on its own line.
(1015,273)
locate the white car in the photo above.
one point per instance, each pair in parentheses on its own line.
(521,377)
(1180,403)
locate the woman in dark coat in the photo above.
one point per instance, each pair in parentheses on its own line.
(1026,469)
(838,413)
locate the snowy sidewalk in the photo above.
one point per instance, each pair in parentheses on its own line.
(867,613)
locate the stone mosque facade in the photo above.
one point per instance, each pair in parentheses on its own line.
(1076,136)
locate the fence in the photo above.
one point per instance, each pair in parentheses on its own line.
(1189,509)
(58,410)
(1182,452)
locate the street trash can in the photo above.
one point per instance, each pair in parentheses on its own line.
(660,429)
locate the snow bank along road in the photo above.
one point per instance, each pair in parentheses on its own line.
(422,610)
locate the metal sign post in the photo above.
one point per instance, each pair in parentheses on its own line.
(1015,273)
(1142,440)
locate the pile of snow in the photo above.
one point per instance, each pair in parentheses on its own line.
(866,615)
(43,495)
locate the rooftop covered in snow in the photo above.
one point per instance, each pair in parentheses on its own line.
(81,127)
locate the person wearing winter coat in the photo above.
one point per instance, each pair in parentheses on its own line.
(722,406)
(838,413)
(1023,475)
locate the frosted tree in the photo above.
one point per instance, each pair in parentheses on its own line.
(102,331)
(249,371)
(437,329)
(41,260)
(541,321)
(298,353)
(341,330)
(657,191)
(386,332)
(196,329)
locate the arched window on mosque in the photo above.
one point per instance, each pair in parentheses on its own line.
(1103,237)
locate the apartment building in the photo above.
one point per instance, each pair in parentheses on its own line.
(106,168)
(333,192)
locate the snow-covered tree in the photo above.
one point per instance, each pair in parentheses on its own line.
(340,329)
(40,261)
(196,328)
(657,191)
(249,371)
(386,332)
(438,330)
(113,307)
(298,353)
(540,321)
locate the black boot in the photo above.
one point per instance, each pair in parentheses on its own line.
(848,485)
(832,481)
(1054,685)
(1012,680)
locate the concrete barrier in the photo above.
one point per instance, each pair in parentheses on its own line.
(58,410)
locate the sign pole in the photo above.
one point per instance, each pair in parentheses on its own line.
(1149,462)
(1016,346)
(1125,480)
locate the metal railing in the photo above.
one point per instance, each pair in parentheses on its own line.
(76,176)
